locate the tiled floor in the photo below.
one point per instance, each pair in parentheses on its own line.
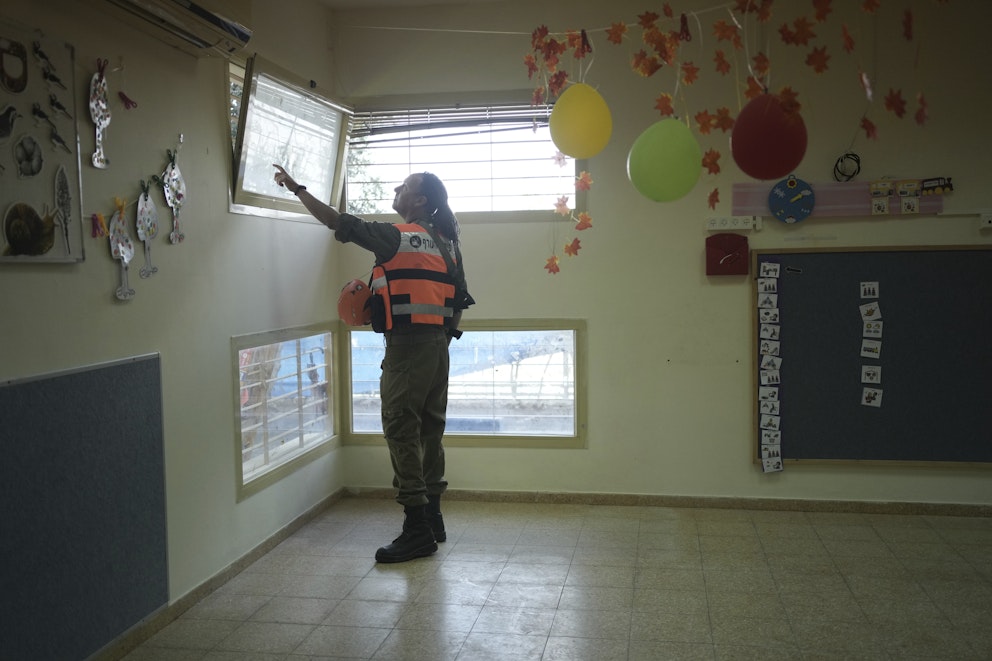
(521,581)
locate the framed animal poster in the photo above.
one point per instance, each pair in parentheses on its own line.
(40,183)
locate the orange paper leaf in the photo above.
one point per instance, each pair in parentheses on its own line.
(923,112)
(724,121)
(722,65)
(818,59)
(761,64)
(690,73)
(664,105)
(848,40)
(552,265)
(754,88)
(870,6)
(531,63)
(572,249)
(585,222)
(803,31)
(895,103)
(584,181)
(711,161)
(647,19)
(728,32)
(821,9)
(714,198)
(704,121)
(871,131)
(616,33)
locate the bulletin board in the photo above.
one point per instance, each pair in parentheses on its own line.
(873,354)
(40,185)
(83,554)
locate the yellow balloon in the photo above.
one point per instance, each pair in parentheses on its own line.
(580,122)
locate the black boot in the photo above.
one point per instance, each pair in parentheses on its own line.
(434,517)
(416,540)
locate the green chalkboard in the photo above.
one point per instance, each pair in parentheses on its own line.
(883,354)
(82,482)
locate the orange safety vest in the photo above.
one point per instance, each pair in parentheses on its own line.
(414,284)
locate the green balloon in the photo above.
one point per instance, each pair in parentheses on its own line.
(665,162)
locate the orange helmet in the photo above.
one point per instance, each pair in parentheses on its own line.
(354,304)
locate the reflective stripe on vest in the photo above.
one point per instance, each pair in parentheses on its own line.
(415,284)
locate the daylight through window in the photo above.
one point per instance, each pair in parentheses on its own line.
(493,158)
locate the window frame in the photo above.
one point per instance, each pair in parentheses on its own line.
(280,204)
(306,455)
(578,441)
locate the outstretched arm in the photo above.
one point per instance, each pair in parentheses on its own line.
(325,213)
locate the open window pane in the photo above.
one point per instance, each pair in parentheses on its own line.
(284,120)
(519,383)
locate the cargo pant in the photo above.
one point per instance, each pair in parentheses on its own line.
(414,392)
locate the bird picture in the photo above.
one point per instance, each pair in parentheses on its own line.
(7,118)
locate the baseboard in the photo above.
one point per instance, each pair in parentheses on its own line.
(716,502)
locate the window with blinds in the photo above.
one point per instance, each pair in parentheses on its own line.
(490,158)
(284,401)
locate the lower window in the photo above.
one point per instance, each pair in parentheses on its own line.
(284,401)
(515,382)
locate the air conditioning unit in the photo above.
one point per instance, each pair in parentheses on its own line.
(198,27)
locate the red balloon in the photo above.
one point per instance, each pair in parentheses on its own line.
(768,142)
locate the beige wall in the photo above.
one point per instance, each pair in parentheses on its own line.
(669,349)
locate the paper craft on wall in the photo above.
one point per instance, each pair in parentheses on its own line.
(40,185)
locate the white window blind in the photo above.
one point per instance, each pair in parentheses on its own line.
(490,158)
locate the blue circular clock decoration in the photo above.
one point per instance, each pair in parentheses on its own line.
(791,200)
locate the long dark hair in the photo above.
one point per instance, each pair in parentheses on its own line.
(443,217)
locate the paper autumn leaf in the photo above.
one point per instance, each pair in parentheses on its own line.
(666,9)
(704,121)
(537,98)
(818,59)
(786,34)
(907,24)
(538,36)
(647,19)
(664,44)
(645,65)
(552,265)
(754,88)
(557,82)
(690,72)
(722,65)
(561,206)
(728,32)
(870,6)
(763,9)
(711,161)
(572,249)
(803,31)
(615,34)
(664,105)
(848,40)
(821,9)
(560,159)
(714,198)
(789,99)
(895,103)
(761,64)
(723,121)
(531,63)
(585,222)
(923,111)
(584,181)
(871,131)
